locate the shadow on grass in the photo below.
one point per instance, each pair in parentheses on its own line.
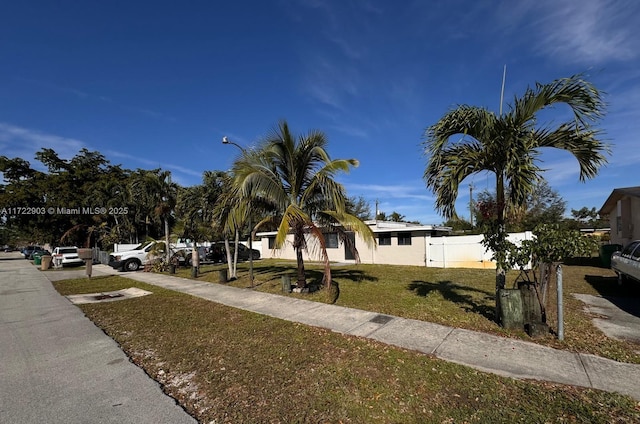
(625,297)
(454,293)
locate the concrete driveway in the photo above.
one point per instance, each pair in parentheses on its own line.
(617,317)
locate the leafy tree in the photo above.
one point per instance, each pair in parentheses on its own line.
(396,217)
(156,190)
(358,206)
(551,246)
(470,139)
(393,217)
(588,218)
(458,225)
(542,205)
(381,216)
(293,175)
(78,184)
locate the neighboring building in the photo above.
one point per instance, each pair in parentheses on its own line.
(398,243)
(623,209)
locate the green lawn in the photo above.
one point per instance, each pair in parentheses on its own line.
(456,297)
(227,365)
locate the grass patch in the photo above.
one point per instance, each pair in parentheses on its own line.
(457,297)
(227,365)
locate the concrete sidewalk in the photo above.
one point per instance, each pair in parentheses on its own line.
(486,352)
(57,367)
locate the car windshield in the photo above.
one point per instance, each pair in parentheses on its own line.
(69,250)
(627,250)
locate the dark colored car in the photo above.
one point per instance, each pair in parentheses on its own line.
(27,251)
(217,253)
(39,253)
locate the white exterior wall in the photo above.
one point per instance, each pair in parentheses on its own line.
(437,252)
(627,215)
(394,254)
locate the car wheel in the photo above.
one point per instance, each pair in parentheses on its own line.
(132,265)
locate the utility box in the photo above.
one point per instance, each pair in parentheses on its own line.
(222,276)
(510,309)
(286,284)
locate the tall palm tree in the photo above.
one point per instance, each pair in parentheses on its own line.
(293,177)
(470,139)
(156,189)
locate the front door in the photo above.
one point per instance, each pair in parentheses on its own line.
(348,254)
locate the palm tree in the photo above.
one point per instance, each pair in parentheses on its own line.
(156,189)
(508,145)
(293,177)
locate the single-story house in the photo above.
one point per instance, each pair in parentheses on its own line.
(398,243)
(623,209)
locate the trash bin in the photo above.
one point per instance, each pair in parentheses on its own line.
(45,262)
(606,250)
(37,260)
(222,275)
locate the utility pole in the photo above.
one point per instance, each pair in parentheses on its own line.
(471,204)
(225,140)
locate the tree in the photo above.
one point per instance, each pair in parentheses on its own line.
(588,218)
(155,189)
(396,217)
(358,206)
(543,205)
(508,146)
(551,245)
(195,207)
(293,176)
(82,184)
(458,225)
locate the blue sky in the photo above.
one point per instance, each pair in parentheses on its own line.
(158,84)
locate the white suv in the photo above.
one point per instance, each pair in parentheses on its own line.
(69,255)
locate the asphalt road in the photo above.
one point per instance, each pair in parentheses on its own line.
(56,366)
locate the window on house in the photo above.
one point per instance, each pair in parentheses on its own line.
(404,239)
(272,242)
(384,239)
(331,240)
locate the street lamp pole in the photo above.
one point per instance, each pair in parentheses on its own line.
(225,140)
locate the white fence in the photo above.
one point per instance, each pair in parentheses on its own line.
(464,251)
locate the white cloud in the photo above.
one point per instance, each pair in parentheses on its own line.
(396,191)
(24,142)
(155,164)
(589,31)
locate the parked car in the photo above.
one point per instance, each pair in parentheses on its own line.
(69,255)
(626,263)
(184,255)
(143,254)
(28,250)
(39,254)
(217,252)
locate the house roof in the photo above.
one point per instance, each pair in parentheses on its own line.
(388,227)
(616,195)
(391,226)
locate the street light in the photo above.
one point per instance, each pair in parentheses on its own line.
(225,140)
